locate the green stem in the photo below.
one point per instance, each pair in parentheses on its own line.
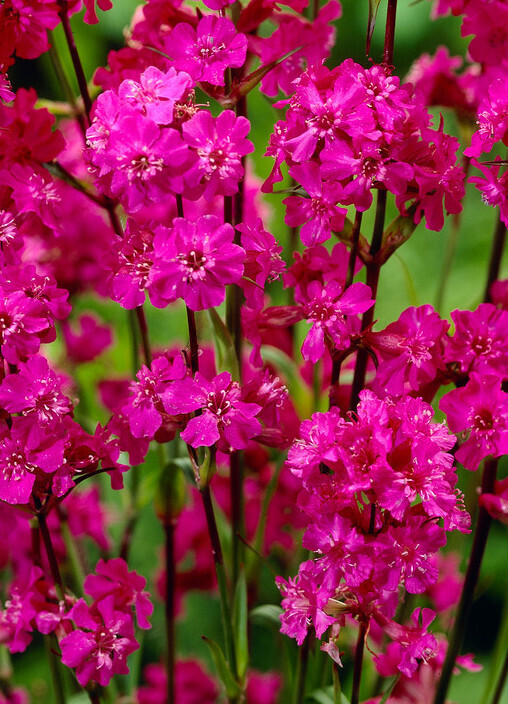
(496,699)
(132,515)
(468,588)
(451,248)
(64,82)
(301,671)
(143,329)
(169,534)
(237,514)
(50,643)
(358,662)
(495,257)
(193,340)
(72,553)
(53,562)
(498,656)
(76,61)
(337,690)
(221,578)
(373,270)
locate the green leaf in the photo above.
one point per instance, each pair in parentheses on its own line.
(266,614)
(240,634)
(224,347)
(325,696)
(224,673)
(397,232)
(208,468)
(373,8)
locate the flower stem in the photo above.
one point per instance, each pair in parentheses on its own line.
(193,340)
(451,247)
(391,14)
(76,61)
(64,84)
(470,581)
(169,534)
(50,642)
(143,329)
(53,562)
(221,577)
(373,270)
(358,662)
(496,699)
(495,257)
(301,671)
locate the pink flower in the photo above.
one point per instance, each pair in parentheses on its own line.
(35,392)
(219,144)
(142,163)
(326,309)
(497,502)
(479,411)
(492,118)
(479,342)
(193,684)
(144,409)
(224,419)
(195,261)
(114,579)
(492,186)
(88,341)
(156,93)
(205,52)
(90,14)
(99,646)
(410,350)
(317,212)
(304,599)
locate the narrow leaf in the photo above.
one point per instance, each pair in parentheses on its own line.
(266,614)
(224,673)
(225,349)
(373,8)
(240,634)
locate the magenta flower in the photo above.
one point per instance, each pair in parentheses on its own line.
(87,340)
(141,162)
(317,213)
(35,392)
(195,261)
(479,342)
(224,419)
(410,350)
(479,411)
(91,14)
(219,143)
(144,409)
(114,579)
(205,52)
(326,309)
(497,503)
(99,646)
(193,684)
(304,600)
(156,93)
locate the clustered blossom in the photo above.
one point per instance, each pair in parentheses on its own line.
(162,183)
(148,142)
(379,489)
(352,129)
